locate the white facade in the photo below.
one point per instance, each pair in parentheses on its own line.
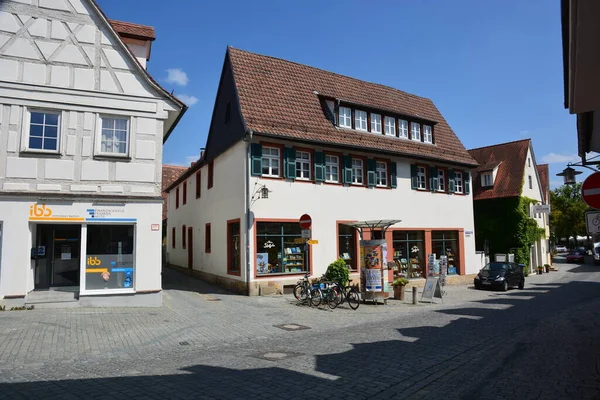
(81,128)
(328,205)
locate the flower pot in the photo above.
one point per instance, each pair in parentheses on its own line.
(547,268)
(540,270)
(399,292)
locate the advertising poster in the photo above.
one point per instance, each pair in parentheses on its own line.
(262,263)
(373,280)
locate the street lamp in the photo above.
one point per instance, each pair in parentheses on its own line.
(568,175)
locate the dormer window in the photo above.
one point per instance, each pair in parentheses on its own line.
(415,131)
(360,120)
(375,123)
(390,126)
(427,135)
(403,128)
(487,179)
(345,117)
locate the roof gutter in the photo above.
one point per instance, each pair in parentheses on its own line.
(174,124)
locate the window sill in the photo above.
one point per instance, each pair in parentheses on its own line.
(281,274)
(112,157)
(101,292)
(234,273)
(39,152)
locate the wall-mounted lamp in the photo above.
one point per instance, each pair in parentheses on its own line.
(264,192)
(260,192)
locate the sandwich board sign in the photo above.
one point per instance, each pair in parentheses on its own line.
(432,289)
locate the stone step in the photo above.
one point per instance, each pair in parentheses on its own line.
(51,296)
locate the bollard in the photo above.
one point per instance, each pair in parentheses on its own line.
(414,295)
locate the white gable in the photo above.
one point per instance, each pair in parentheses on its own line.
(60,42)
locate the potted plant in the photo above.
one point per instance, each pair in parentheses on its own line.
(547,266)
(398,285)
(540,270)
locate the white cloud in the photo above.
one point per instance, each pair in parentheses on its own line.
(188,100)
(553,158)
(177,76)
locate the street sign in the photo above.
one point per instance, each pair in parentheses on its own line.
(305,221)
(299,240)
(592,222)
(590,190)
(306,233)
(312,241)
(541,208)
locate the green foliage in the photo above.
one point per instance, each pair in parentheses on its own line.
(526,270)
(338,271)
(567,217)
(400,282)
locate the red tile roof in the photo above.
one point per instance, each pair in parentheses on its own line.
(170,173)
(277,97)
(544,173)
(136,31)
(509,178)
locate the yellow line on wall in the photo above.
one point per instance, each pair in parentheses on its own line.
(55,219)
(92,270)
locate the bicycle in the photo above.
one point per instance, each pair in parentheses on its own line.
(304,291)
(349,294)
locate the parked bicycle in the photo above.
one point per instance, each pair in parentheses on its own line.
(349,294)
(305,292)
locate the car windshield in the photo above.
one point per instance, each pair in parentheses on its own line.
(495,266)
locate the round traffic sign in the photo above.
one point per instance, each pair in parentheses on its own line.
(305,221)
(590,190)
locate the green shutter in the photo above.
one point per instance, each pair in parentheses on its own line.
(467,182)
(347,165)
(433,179)
(319,166)
(451,182)
(413,177)
(371,168)
(289,163)
(256,159)
(393,174)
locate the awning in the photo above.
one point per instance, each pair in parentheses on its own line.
(372,225)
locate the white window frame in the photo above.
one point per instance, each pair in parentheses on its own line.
(360,120)
(303,163)
(375,123)
(441,180)
(345,118)
(389,120)
(403,129)
(488,179)
(458,182)
(427,135)
(130,138)
(381,174)
(272,158)
(415,133)
(27,128)
(355,174)
(329,164)
(421,178)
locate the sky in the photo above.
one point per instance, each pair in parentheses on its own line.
(493,68)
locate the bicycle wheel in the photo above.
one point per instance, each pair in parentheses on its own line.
(353,299)
(315,297)
(333,299)
(300,292)
(339,295)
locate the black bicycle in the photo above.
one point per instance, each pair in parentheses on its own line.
(304,291)
(349,294)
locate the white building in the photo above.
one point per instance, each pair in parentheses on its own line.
(81,131)
(322,144)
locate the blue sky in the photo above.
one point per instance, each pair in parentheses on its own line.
(493,68)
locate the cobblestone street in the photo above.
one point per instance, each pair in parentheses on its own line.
(537,343)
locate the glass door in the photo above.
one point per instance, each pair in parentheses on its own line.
(66,245)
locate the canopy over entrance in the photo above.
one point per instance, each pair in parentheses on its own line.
(373,225)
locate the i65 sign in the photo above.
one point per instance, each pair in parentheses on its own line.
(592,221)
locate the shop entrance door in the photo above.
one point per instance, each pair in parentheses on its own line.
(57,260)
(190,247)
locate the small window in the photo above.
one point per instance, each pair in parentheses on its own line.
(403,128)
(375,123)
(529,162)
(198,184)
(114,138)
(207,238)
(177,197)
(357,171)
(211,174)
(183,241)
(441,180)
(270,161)
(173,239)
(381,174)
(458,179)
(44,131)
(360,120)
(303,165)
(345,117)
(421,178)
(390,126)
(427,135)
(332,169)
(415,131)
(487,179)
(184,193)
(530,182)
(228,113)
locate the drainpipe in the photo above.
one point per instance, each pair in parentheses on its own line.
(247,139)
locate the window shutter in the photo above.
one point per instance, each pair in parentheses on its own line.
(451,182)
(371,168)
(347,162)
(433,179)
(467,182)
(413,177)
(393,174)
(319,166)
(255,159)
(289,162)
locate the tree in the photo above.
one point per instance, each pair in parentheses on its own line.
(568,212)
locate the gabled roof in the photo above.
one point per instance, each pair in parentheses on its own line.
(544,173)
(170,173)
(509,178)
(284,99)
(135,31)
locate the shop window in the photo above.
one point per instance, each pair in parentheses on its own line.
(277,251)
(409,253)
(183,238)
(173,241)
(184,192)
(233,248)
(445,247)
(207,238)
(347,246)
(198,184)
(109,258)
